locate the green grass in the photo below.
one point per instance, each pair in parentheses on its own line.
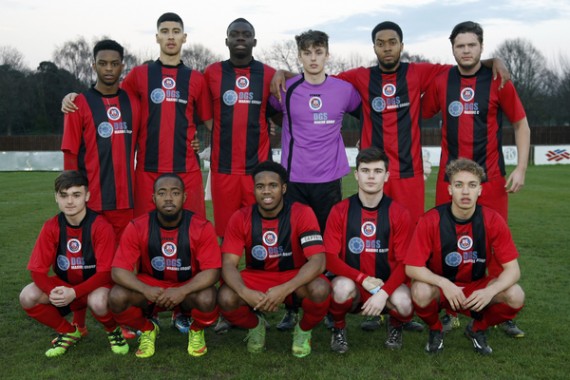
(539,222)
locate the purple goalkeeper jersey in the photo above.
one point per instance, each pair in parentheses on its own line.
(312,115)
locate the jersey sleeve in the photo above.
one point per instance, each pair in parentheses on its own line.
(353,99)
(73,128)
(501,240)
(234,237)
(420,248)
(203,98)
(104,244)
(275,104)
(428,72)
(130,84)
(207,249)
(128,254)
(45,249)
(308,230)
(510,102)
(403,231)
(430,101)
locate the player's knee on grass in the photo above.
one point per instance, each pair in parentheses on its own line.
(31,295)
(342,289)
(98,301)
(422,293)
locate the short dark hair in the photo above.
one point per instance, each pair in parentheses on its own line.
(271,166)
(464,165)
(310,38)
(70,178)
(371,154)
(108,45)
(169,16)
(169,175)
(387,25)
(240,19)
(467,27)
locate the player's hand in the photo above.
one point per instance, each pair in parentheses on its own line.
(370,283)
(67,104)
(278,83)
(252,297)
(375,304)
(272,127)
(515,181)
(170,298)
(478,300)
(454,295)
(499,68)
(61,296)
(274,297)
(152,293)
(195,144)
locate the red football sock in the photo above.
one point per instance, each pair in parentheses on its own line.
(396,320)
(242,317)
(313,313)
(339,311)
(79,317)
(495,314)
(203,319)
(430,315)
(134,318)
(49,316)
(106,320)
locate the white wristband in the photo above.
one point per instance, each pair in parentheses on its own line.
(375,290)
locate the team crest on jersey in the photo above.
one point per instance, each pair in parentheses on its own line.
(157,96)
(74,246)
(114,113)
(169,249)
(105,129)
(356,245)
(315,103)
(270,238)
(453,259)
(368,229)
(467,94)
(259,252)
(242,83)
(230,97)
(389,90)
(158,263)
(465,243)
(62,262)
(168,83)
(455,108)
(378,104)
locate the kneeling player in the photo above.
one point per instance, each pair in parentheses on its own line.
(284,258)
(177,261)
(450,253)
(79,245)
(366,240)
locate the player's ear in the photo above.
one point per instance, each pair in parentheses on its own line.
(387,176)
(184,197)
(449,189)
(283,188)
(87,196)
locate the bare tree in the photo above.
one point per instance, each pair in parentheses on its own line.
(407,57)
(197,56)
(12,57)
(282,55)
(75,57)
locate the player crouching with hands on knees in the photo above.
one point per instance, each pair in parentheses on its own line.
(451,250)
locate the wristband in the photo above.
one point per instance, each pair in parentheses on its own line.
(375,290)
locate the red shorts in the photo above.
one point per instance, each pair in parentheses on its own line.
(467,290)
(230,192)
(78,303)
(409,192)
(119,220)
(151,281)
(493,194)
(144,182)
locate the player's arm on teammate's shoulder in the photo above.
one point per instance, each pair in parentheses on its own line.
(67,103)
(515,180)
(499,68)
(278,82)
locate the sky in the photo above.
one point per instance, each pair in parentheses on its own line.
(37,27)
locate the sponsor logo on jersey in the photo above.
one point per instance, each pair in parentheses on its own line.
(453,259)
(270,238)
(368,229)
(242,82)
(356,245)
(230,98)
(158,263)
(259,252)
(467,94)
(465,242)
(114,113)
(74,246)
(378,104)
(315,103)
(168,83)
(157,96)
(455,108)
(389,90)
(105,129)
(62,262)
(169,249)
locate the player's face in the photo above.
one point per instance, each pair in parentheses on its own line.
(73,201)
(467,50)
(465,189)
(388,47)
(170,37)
(269,191)
(314,59)
(169,197)
(108,66)
(240,40)
(371,177)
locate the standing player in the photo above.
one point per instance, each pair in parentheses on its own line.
(167,258)
(366,242)
(450,259)
(78,244)
(284,258)
(472,106)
